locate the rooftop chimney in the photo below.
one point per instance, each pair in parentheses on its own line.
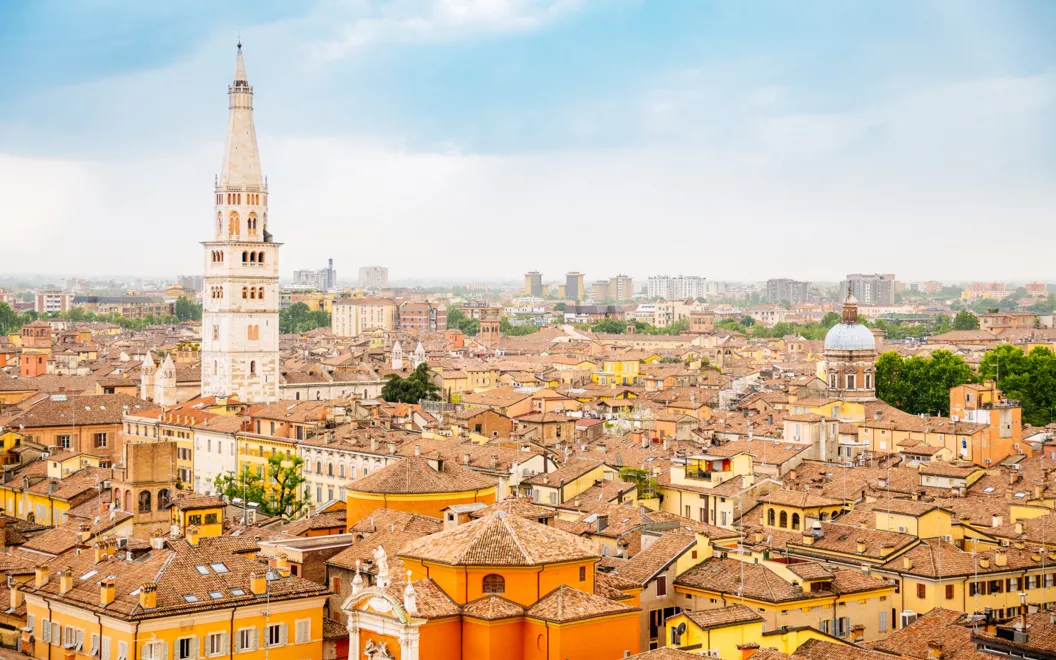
(148,595)
(192,535)
(1000,558)
(934,650)
(40,575)
(106,592)
(907,563)
(258,582)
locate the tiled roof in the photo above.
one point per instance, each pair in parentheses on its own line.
(501,540)
(492,608)
(759,582)
(414,475)
(644,566)
(730,615)
(798,498)
(516,506)
(816,649)
(937,624)
(664,653)
(570,471)
(565,604)
(83,410)
(392,520)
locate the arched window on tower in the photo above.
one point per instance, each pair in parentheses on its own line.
(252,293)
(252,257)
(252,367)
(245,257)
(219,225)
(260,257)
(245,293)
(260,293)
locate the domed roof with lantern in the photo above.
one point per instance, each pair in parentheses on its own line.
(849,334)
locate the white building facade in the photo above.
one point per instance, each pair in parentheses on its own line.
(677,288)
(240,318)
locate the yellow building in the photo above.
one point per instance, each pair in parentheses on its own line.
(203,513)
(184,599)
(618,372)
(568,481)
(792,595)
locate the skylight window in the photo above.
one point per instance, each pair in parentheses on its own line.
(89,574)
(134,593)
(215,594)
(988,489)
(237,592)
(219,567)
(190,598)
(201,568)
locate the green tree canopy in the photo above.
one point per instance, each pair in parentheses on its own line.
(411,389)
(187,310)
(965,320)
(920,384)
(1027,378)
(298,318)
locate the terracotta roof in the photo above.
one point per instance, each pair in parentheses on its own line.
(665,653)
(501,540)
(797,498)
(390,519)
(570,471)
(816,649)
(565,604)
(644,566)
(492,608)
(516,506)
(730,615)
(935,625)
(415,475)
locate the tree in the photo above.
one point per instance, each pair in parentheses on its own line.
(609,327)
(246,486)
(300,318)
(920,385)
(732,326)
(187,310)
(1027,378)
(457,319)
(747,321)
(512,330)
(411,389)
(10,321)
(965,320)
(560,307)
(286,496)
(829,320)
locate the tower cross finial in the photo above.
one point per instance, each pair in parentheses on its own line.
(240,41)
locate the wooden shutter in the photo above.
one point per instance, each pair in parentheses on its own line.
(104,649)
(45,631)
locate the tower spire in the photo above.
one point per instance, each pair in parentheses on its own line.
(241,168)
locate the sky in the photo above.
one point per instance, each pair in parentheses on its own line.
(480,139)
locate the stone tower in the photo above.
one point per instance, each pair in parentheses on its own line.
(397,357)
(240,319)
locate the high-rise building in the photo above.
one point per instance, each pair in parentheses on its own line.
(190,282)
(373,277)
(601,290)
(240,319)
(877,289)
(621,288)
(324,280)
(574,286)
(352,317)
(677,288)
(533,284)
(785,289)
(52,302)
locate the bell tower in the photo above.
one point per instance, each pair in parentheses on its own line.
(240,317)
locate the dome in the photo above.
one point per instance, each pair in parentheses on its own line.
(849,337)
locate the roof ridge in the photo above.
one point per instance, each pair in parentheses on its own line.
(516,537)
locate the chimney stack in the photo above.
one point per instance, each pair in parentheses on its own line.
(40,575)
(106,592)
(148,595)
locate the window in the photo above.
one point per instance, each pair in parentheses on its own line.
(122,651)
(784,519)
(275,634)
(194,519)
(190,598)
(661,585)
(216,644)
(186,648)
(216,595)
(850,381)
(582,573)
(949,592)
(494,584)
(252,367)
(922,591)
(247,640)
(219,567)
(144,502)
(202,569)
(153,651)
(303,631)
(795,521)
(770,517)
(64,441)
(99,439)
(883,621)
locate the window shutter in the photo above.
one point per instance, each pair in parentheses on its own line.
(223,642)
(80,640)
(238,641)
(94,650)
(56,633)
(282,633)
(253,639)
(104,652)
(164,646)
(195,646)
(45,631)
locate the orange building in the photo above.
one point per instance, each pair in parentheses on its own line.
(36,349)
(983,403)
(417,484)
(499,587)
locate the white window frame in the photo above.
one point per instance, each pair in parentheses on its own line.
(217,640)
(192,648)
(251,635)
(104,648)
(122,651)
(280,629)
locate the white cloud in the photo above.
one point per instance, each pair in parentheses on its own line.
(358,23)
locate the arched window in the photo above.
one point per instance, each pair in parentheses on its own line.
(245,257)
(252,293)
(245,292)
(260,258)
(297,396)
(144,502)
(821,516)
(832,381)
(868,381)
(494,584)
(318,467)
(795,521)
(329,469)
(252,367)
(233,226)
(260,292)
(163,498)
(252,257)
(784,519)
(770,517)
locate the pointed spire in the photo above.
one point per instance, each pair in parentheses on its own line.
(241,167)
(240,67)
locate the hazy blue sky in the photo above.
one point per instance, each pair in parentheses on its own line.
(743,139)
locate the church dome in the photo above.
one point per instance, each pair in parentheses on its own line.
(849,337)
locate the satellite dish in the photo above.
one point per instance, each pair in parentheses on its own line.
(681,628)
